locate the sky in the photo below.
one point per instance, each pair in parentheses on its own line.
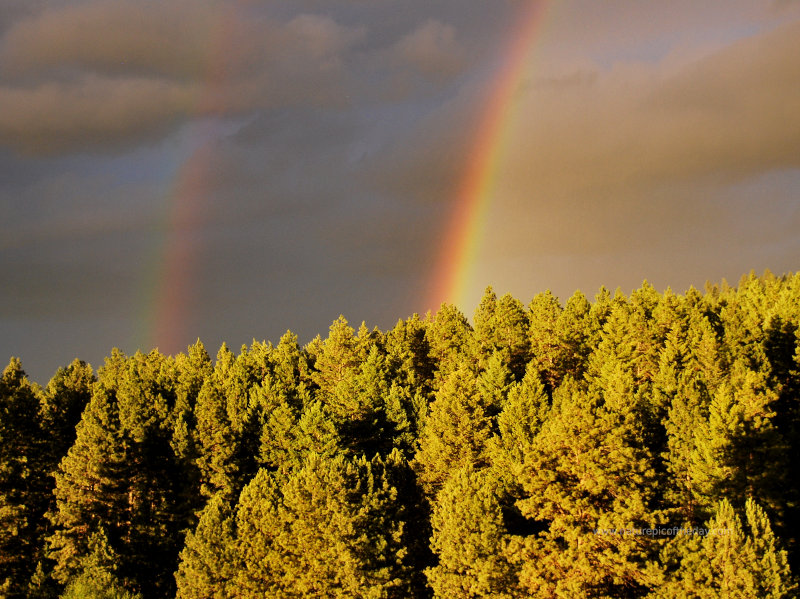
(229,169)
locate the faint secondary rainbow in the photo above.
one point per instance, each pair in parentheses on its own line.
(461,241)
(176,255)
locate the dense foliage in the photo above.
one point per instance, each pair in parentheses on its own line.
(630,447)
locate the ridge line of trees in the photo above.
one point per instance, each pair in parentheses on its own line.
(547,450)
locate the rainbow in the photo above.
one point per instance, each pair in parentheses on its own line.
(172,278)
(453,274)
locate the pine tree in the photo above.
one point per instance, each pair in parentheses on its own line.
(493,383)
(737,450)
(229,425)
(485,320)
(574,331)
(146,398)
(724,560)
(62,403)
(502,326)
(329,531)
(545,338)
(97,578)
(335,367)
(518,424)
(586,475)
(23,480)
(511,333)
(65,397)
(288,438)
(455,431)
(452,342)
(121,475)
(408,354)
(208,562)
(469,540)
(91,487)
(363,423)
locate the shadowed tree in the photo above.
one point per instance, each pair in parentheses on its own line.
(727,561)
(24,483)
(469,540)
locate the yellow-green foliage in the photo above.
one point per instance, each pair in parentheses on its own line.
(567,451)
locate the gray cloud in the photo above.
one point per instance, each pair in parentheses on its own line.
(333,136)
(432,49)
(92,111)
(102,73)
(727,116)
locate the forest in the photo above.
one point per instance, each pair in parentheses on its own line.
(623,446)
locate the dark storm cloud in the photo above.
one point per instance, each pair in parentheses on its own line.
(647,139)
(110,72)
(96,73)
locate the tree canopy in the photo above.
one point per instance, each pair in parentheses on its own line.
(635,446)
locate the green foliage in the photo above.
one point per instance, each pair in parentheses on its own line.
(518,425)
(208,560)
(333,529)
(545,342)
(469,540)
(530,456)
(122,476)
(725,560)
(451,341)
(97,578)
(588,471)
(63,402)
(502,325)
(23,483)
(455,431)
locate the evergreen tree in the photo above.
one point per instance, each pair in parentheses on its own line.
(335,367)
(229,424)
(454,433)
(545,338)
(121,475)
(451,341)
(146,398)
(469,540)
(727,561)
(64,399)
(737,450)
(363,423)
(518,424)
(208,563)
(588,480)
(493,383)
(23,482)
(62,403)
(511,333)
(573,326)
(408,354)
(485,320)
(288,439)
(329,531)
(91,487)
(97,578)
(502,325)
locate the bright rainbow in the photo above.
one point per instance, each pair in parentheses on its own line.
(461,243)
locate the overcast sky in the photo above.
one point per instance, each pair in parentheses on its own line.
(229,170)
